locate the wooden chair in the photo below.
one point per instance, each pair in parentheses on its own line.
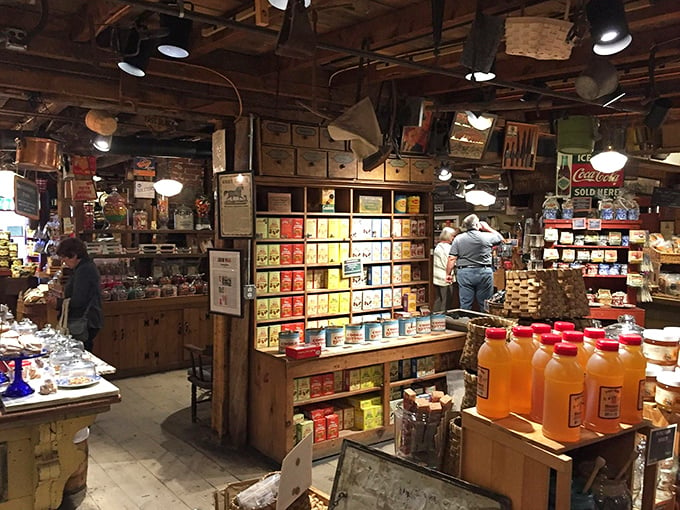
(200,376)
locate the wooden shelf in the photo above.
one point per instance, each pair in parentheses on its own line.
(327,240)
(406,284)
(330,214)
(397,261)
(285,241)
(406,382)
(587,246)
(335,396)
(605,275)
(275,294)
(158,231)
(282,319)
(149,256)
(280,268)
(267,213)
(606,224)
(326,291)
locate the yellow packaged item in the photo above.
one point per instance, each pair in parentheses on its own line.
(344,303)
(323,304)
(274,331)
(310,253)
(262,309)
(310,228)
(261,228)
(333,278)
(274,228)
(322,253)
(274,285)
(333,253)
(333,303)
(312,304)
(406,249)
(275,308)
(274,252)
(262,338)
(344,251)
(261,255)
(334,228)
(322,228)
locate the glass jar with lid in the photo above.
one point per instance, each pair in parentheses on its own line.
(551,207)
(152,290)
(625,324)
(77,373)
(202,206)
(606,208)
(140,220)
(115,210)
(184,218)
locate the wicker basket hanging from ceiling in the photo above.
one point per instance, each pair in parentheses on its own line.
(539,37)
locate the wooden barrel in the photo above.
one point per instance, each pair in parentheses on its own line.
(78,480)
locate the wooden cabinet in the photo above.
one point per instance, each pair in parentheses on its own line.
(512,457)
(146,336)
(272,379)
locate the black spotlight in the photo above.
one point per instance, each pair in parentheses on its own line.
(176,43)
(608,26)
(658,111)
(136,55)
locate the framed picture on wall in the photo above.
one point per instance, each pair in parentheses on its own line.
(470,134)
(414,139)
(224,282)
(235,209)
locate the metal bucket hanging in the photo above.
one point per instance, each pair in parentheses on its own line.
(38,154)
(576,134)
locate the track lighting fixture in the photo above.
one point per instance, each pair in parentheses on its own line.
(481,46)
(607,158)
(136,55)
(608,26)
(480,197)
(102,143)
(176,43)
(281,4)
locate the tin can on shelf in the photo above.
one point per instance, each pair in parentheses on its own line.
(287,339)
(423,325)
(355,334)
(400,204)
(438,321)
(390,328)
(315,336)
(335,336)
(407,326)
(413,204)
(373,331)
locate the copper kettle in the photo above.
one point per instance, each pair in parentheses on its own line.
(39,154)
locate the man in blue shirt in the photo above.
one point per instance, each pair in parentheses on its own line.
(471,256)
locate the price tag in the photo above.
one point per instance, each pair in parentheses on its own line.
(660,444)
(351,267)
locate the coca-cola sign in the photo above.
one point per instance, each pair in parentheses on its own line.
(583,175)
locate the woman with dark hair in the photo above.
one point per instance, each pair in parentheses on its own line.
(85,317)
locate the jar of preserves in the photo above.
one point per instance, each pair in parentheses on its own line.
(140,220)
(183,289)
(168,290)
(184,218)
(152,291)
(202,206)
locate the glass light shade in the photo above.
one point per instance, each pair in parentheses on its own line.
(479,122)
(613,47)
(7,183)
(444,174)
(480,76)
(281,4)
(608,161)
(168,187)
(102,143)
(480,197)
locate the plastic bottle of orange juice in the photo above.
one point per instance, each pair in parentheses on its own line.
(634,375)
(493,375)
(563,399)
(590,338)
(541,357)
(538,329)
(521,352)
(559,327)
(576,338)
(604,382)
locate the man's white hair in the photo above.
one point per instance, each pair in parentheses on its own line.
(471,222)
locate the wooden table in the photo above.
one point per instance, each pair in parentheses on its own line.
(37,453)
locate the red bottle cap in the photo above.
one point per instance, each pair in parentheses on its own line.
(496,333)
(566,349)
(594,333)
(630,339)
(539,328)
(564,326)
(607,345)
(522,331)
(550,338)
(575,337)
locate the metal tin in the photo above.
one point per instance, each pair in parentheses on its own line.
(335,336)
(407,326)
(355,334)
(374,331)
(400,204)
(288,338)
(390,328)
(438,321)
(423,325)
(413,204)
(315,336)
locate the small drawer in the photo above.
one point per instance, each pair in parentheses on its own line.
(342,165)
(422,170)
(377,174)
(306,136)
(396,170)
(326,142)
(311,163)
(277,160)
(275,132)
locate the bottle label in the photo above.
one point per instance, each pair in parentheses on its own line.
(610,403)
(575,410)
(641,394)
(483,375)
(660,352)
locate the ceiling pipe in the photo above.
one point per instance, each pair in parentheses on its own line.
(371,55)
(132,146)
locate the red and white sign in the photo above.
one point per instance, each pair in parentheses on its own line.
(588,182)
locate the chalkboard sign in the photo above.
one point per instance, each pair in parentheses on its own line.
(664,197)
(582,203)
(660,444)
(26,198)
(367,479)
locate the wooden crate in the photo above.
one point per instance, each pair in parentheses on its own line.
(313,499)
(512,457)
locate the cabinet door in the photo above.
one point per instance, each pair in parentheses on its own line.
(133,331)
(164,343)
(107,342)
(197,327)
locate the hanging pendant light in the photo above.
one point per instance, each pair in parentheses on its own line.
(281,4)
(136,55)
(168,187)
(176,43)
(444,173)
(607,157)
(102,142)
(479,122)
(481,46)
(608,26)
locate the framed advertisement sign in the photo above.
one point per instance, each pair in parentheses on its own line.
(588,182)
(224,282)
(236,213)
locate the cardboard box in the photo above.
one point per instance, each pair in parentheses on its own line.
(262,338)
(286,228)
(274,228)
(286,307)
(328,381)
(261,282)
(334,228)
(279,202)
(298,307)
(333,303)
(274,255)
(333,278)
(261,255)
(357,301)
(322,253)
(275,308)
(312,304)
(298,228)
(322,228)
(338,380)
(344,228)
(333,252)
(286,281)
(396,228)
(320,430)
(304,351)
(370,204)
(304,388)
(261,228)
(286,254)
(332,426)
(387,298)
(298,254)
(327,200)
(262,309)
(366,377)
(344,302)
(310,228)
(353,379)
(303,429)
(274,283)
(298,280)
(274,331)
(323,304)
(310,254)
(344,251)
(316,386)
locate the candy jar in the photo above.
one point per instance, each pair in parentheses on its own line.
(168,289)
(550,207)
(163,209)
(606,209)
(184,218)
(567,209)
(183,289)
(620,209)
(115,210)
(633,209)
(202,206)
(140,220)
(88,216)
(199,284)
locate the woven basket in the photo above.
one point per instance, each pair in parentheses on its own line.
(475,338)
(538,37)
(225,499)
(470,395)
